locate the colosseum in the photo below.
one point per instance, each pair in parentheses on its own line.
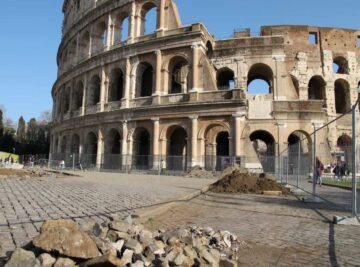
(129,95)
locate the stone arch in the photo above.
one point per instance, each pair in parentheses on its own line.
(147,13)
(63,145)
(317,88)
(121,27)
(75,144)
(77,96)
(299,152)
(342,96)
(259,75)
(99,36)
(91,150)
(144,79)
(141,148)
(94,90)
(344,145)
(112,155)
(225,79)
(116,85)
(177,148)
(264,145)
(66,99)
(84,43)
(209,49)
(340,65)
(178,69)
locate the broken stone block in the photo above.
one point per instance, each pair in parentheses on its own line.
(46,260)
(108,260)
(134,245)
(119,226)
(145,237)
(64,262)
(138,264)
(64,237)
(127,256)
(22,258)
(227,263)
(118,246)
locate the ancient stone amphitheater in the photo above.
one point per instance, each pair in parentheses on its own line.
(128,96)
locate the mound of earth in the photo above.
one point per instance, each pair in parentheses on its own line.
(26,173)
(246,183)
(198,172)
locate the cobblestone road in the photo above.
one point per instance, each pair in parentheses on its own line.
(26,203)
(281,231)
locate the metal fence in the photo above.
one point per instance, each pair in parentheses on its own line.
(326,163)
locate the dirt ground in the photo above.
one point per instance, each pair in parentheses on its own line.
(28,173)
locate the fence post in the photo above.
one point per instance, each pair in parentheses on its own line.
(299,162)
(287,169)
(280,169)
(73,163)
(353,152)
(314,162)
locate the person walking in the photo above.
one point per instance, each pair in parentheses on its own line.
(163,167)
(319,170)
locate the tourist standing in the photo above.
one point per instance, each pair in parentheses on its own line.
(319,170)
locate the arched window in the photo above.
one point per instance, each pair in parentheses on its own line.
(177,148)
(67,100)
(84,42)
(225,79)
(209,49)
(179,71)
(148,18)
(260,79)
(340,65)
(121,28)
(116,86)
(99,37)
(316,89)
(78,94)
(141,148)
(342,96)
(89,159)
(94,92)
(75,144)
(144,80)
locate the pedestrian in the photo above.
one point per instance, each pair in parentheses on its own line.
(337,172)
(163,167)
(319,170)
(62,164)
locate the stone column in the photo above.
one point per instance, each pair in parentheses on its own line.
(104,86)
(109,33)
(158,72)
(237,133)
(77,56)
(90,41)
(195,68)
(100,146)
(194,143)
(161,16)
(124,144)
(132,22)
(125,100)
(83,107)
(156,136)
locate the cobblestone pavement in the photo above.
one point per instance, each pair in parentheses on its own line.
(280,231)
(26,203)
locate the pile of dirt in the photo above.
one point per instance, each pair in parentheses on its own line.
(247,183)
(27,173)
(198,172)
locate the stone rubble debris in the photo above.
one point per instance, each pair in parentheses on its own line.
(120,243)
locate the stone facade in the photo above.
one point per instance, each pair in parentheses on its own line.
(180,92)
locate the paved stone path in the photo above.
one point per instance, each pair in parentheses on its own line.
(281,231)
(26,203)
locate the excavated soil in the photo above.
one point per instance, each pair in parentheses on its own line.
(24,173)
(247,183)
(198,172)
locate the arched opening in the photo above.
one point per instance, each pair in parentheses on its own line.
(55,150)
(84,42)
(340,65)
(72,52)
(264,146)
(66,100)
(209,50)
(222,151)
(89,159)
(99,37)
(225,79)
(94,91)
(144,80)
(112,157)
(260,79)
(75,144)
(116,87)
(121,28)
(344,144)
(317,88)
(141,149)
(342,96)
(63,145)
(179,71)
(148,18)
(177,149)
(78,94)
(299,153)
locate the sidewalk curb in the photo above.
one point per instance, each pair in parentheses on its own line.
(157,209)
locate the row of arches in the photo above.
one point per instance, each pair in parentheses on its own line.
(107,32)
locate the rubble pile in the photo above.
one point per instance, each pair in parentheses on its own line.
(198,172)
(27,173)
(121,242)
(241,181)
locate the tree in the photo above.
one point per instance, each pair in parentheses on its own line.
(31,133)
(1,124)
(21,130)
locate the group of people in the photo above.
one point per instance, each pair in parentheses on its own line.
(7,161)
(339,170)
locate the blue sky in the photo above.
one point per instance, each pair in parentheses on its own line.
(31,31)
